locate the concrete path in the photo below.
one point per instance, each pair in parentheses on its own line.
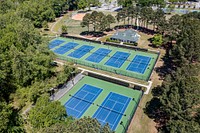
(67,87)
(148,87)
(52,27)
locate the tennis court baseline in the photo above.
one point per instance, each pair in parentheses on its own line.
(98,55)
(117,59)
(81,100)
(80,52)
(112,109)
(65,48)
(139,64)
(55,43)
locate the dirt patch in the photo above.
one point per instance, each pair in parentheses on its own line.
(78,16)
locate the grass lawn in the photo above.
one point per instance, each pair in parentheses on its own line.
(141,123)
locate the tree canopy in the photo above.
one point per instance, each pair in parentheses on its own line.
(98,21)
(175,105)
(157,40)
(46,113)
(26,72)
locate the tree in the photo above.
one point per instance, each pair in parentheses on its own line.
(45,25)
(82,4)
(110,20)
(86,21)
(177,100)
(94,19)
(57,6)
(122,15)
(157,18)
(157,40)
(10,121)
(98,20)
(5,113)
(25,69)
(187,47)
(57,128)
(183,126)
(41,10)
(5,6)
(146,16)
(64,29)
(101,21)
(125,3)
(88,125)
(148,3)
(46,113)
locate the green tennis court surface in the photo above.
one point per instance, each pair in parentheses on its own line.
(132,63)
(105,101)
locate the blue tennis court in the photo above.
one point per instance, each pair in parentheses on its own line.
(65,48)
(112,109)
(98,55)
(55,43)
(80,52)
(117,59)
(139,64)
(81,101)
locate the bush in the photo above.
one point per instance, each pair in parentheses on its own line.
(109,40)
(64,29)
(172,6)
(157,40)
(134,44)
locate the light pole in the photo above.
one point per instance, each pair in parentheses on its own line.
(122,123)
(72,74)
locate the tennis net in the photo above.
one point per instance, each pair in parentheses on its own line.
(111,110)
(81,99)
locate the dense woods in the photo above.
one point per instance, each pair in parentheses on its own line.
(175,105)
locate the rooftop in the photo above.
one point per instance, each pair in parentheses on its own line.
(126,36)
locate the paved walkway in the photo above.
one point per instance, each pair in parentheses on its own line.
(52,27)
(148,87)
(67,87)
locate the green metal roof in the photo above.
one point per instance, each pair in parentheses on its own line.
(127,35)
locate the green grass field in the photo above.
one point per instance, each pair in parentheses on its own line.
(122,70)
(107,88)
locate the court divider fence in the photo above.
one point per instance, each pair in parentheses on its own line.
(105,68)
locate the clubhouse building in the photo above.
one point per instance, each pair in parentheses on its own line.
(127,36)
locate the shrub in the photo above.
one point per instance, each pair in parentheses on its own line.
(134,44)
(109,40)
(157,40)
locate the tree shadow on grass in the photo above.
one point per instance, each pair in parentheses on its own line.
(168,66)
(92,33)
(152,108)
(155,110)
(138,28)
